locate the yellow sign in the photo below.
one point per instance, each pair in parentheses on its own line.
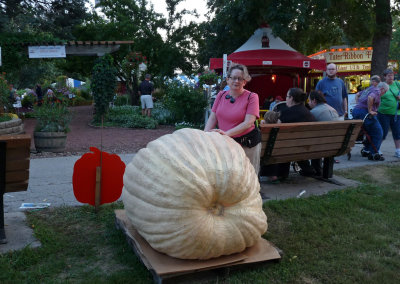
(354,67)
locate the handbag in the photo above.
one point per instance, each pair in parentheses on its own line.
(250,139)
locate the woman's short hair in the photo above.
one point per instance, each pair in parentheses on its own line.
(271,116)
(387,71)
(246,75)
(298,95)
(383,85)
(375,78)
(318,96)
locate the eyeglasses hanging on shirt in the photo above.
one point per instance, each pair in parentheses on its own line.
(232,99)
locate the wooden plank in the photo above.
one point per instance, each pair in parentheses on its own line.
(300,157)
(308,141)
(307,149)
(16,187)
(16,141)
(17,165)
(307,126)
(306,134)
(17,176)
(17,154)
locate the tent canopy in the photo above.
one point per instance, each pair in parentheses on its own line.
(263,53)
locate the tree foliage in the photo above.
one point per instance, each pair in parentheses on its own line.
(307,26)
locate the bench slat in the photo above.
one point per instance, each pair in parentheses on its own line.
(18,186)
(17,161)
(306,134)
(307,126)
(307,141)
(306,149)
(17,176)
(301,157)
(17,165)
(16,141)
(15,154)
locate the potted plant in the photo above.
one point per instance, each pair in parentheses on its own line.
(52,125)
(208,78)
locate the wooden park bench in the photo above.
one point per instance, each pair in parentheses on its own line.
(291,142)
(14,169)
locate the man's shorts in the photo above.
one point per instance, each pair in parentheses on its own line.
(147,101)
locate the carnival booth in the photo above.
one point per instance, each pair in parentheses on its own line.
(353,66)
(273,65)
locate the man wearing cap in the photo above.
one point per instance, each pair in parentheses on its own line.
(334,90)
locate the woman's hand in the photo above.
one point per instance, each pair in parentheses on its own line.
(373,113)
(219,131)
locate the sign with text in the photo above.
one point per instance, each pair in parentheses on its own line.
(348,56)
(51,51)
(354,67)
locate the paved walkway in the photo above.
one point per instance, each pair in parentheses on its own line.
(50,181)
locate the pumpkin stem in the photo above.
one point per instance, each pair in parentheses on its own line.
(216,209)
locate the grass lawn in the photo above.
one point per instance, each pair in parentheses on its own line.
(348,236)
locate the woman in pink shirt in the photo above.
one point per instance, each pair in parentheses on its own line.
(235,111)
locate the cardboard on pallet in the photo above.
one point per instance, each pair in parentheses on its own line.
(164,265)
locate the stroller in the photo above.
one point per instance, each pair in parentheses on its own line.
(364,138)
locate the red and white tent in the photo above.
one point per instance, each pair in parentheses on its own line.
(274,65)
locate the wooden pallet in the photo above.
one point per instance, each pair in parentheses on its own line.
(169,269)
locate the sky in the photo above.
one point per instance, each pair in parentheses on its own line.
(199,5)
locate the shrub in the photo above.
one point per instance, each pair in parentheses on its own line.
(185,103)
(130,117)
(161,114)
(4,118)
(121,100)
(29,100)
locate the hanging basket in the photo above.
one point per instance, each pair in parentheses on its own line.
(50,141)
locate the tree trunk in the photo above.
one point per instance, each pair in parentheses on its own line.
(382,37)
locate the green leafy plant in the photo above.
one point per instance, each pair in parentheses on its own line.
(208,78)
(185,103)
(103,85)
(4,94)
(130,117)
(52,117)
(29,100)
(121,100)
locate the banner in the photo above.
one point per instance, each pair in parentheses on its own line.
(51,51)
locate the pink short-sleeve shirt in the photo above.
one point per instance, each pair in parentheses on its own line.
(230,115)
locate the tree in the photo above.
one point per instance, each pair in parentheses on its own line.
(103,85)
(382,37)
(306,25)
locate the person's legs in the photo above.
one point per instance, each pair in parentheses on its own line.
(374,130)
(254,156)
(148,112)
(360,114)
(143,103)
(384,120)
(395,127)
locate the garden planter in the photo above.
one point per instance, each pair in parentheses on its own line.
(50,141)
(14,126)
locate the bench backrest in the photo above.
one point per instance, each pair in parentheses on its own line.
(17,152)
(287,142)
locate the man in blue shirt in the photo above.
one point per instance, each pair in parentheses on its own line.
(334,90)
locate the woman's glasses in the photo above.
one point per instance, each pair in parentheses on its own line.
(239,79)
(232,99)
